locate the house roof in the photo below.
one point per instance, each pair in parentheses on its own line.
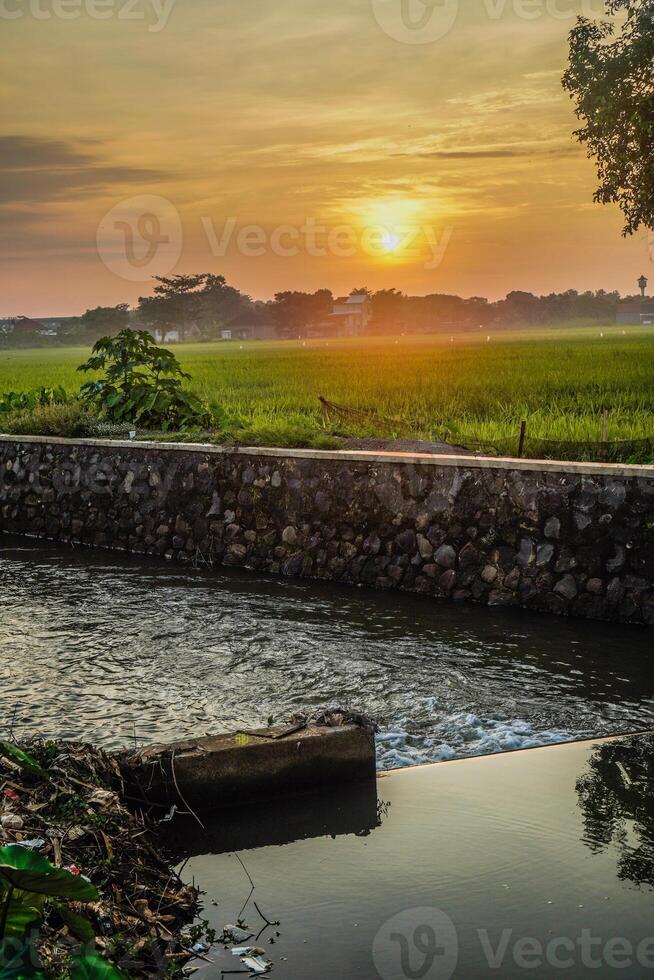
(646,307)
(351,300)
(28,325)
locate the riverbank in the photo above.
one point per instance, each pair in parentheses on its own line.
(93,885)
(563,538)
(82,824)
(454,847)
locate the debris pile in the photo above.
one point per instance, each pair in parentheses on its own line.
(334,718)
(253,958)
(66,803)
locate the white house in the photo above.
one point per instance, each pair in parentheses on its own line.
(353,314)
(349,318)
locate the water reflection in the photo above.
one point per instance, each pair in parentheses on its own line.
(342,810)
(616,797)
(496,847)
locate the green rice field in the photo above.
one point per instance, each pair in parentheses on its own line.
(466,387)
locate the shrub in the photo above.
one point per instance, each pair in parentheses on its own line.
(142,384)
(18,401)
(71,420)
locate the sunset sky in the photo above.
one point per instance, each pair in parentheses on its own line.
(272,112)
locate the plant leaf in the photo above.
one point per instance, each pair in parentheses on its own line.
(93,966)
(114,399)
(24,912)
(30,871)
(79,925)
(25,761)
(21,965)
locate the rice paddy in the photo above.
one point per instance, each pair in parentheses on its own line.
(468,387)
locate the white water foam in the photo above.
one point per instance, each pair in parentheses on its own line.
(460,735)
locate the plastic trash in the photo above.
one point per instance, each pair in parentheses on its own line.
(253,958)
(257,964)
(235,934)
(103,797)
(11,821)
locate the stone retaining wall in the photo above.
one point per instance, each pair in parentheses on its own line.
(562,538)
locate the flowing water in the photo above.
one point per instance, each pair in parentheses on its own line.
(117,650)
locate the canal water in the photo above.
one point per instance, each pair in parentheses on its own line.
(533,863)
(120,651)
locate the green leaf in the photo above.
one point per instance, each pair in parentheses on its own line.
(93,966)
(152,397)
(114,399)
(19,965)
(124,409)
(24,912)
(25,761)
(30,871)
(79,925)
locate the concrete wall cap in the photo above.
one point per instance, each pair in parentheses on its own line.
(617,470)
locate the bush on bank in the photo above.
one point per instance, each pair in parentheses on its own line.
(138,388)
(71,420)
(140,384)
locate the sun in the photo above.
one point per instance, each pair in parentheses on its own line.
(390,243)
(389,226)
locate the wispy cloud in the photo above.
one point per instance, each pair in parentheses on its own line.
(502,99)
(498,153)
(35,152)
(35,169)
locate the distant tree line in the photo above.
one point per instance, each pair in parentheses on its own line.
(203,305)
(393,310)
(200,306)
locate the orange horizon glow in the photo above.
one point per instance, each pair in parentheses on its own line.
(288,117)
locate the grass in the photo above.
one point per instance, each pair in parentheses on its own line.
(560,380)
